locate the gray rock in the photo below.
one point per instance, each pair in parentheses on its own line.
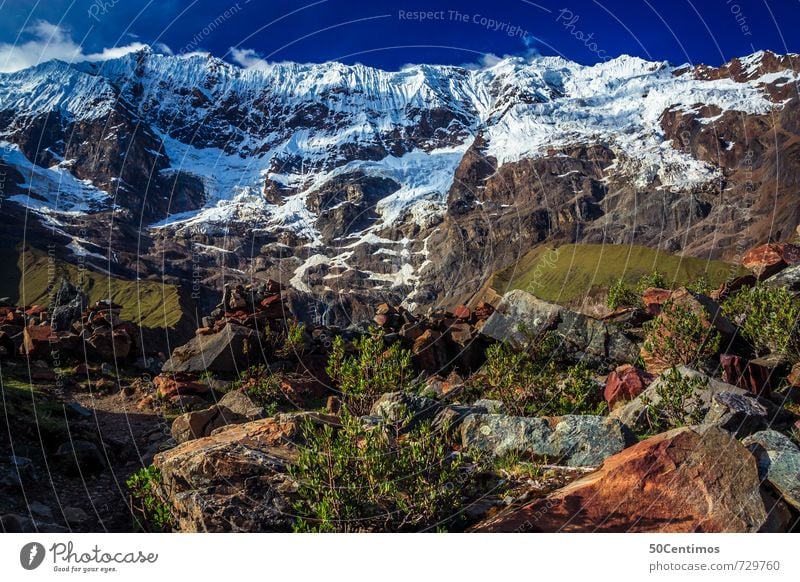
(491,406)
(739,414)
(630,413)
(789,278)
(240,403)
(67,306)
(39,509)
(15,471)
(575,441)
(224,351)
(405,408)
(450,417)
(75,515)
(80,457)
(579,333)
(778,460)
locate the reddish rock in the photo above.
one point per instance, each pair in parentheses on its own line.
(385,309)
(302,391)
(429,351)
(768,259)
(653,298)
(270,300)
(381,319)
(36,340)
(624,384)
(35,310)
(15,318)
(462,312)
(169,386)
(273,286)
(461,333)
(745,374)
(203,331)
(483,311)
(110,344)
(684,480)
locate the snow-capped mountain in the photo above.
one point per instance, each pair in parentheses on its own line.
(341,178)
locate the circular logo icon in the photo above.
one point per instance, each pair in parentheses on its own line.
(31,555)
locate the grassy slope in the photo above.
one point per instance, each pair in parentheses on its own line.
(572,271)
(148,303)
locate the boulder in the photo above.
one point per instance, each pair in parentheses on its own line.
(739,414)
(767,260)
(778,460)
(110,344)
(752,376)
(430,352)
(685,480)
(233,408)
(653,298)
(224,351)
(519,315)
(234,480)
(303,391)
(624,384)
(405,408)
(575,441)
(37,339)
(67,306)
(173,386)
(789,278)
(630,413)
(79,457)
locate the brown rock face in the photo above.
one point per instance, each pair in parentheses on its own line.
(625,383)
(684,480)
(767,260)
(745,374)
(233,480)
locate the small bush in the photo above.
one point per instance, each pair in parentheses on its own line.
(357,478)
(678,404)
(263,387)
(295,342)
(767,318)
(701,286)
(620,296)
(530,385)
(651,279)
(680,336)
(373,370)
(150,511)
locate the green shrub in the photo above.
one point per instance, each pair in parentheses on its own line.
(652,279)
(620,296)
(680,336)
(530,385)
(358,478)
(677,405)
(263,387)
(701,286)
(148,508)
(295,342)
(767,318)
(373,370)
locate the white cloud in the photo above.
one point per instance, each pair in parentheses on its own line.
(49,41)
(248,58)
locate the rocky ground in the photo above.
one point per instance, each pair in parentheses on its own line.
(678,412)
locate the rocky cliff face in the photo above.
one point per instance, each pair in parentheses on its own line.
(347,182)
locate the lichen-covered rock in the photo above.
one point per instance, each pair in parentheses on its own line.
(234,480)
(520,314)
(778,461)
(630,413)
(405,408)
(575,441)
(685,480)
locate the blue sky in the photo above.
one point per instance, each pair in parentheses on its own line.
(392,34)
